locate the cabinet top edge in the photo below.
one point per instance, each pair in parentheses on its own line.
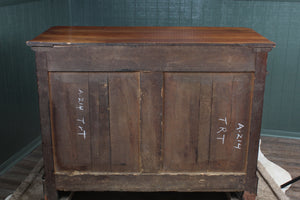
(89,35)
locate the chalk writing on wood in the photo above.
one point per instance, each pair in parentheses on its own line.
(222,130)
(239,136)
(80,122)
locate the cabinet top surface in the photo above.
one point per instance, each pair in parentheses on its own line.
(84,35)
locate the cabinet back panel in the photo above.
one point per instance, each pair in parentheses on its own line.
(150,121)
(151,58)
(107,137)
(206,121)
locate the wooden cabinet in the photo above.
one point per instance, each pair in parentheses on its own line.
(150,108)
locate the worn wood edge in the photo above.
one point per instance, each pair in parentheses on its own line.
(28,181)
(53,44)
(44,109)
(271,183)
(78,173)
(151,58)
(255,123)
(36,46)
(151,183)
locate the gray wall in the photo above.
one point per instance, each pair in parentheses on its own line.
(19,117)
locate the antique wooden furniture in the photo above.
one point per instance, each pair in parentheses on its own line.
(150,108)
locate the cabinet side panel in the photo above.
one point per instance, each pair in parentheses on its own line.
(99,118)
(185,139)
(229,122)
(151,120)
(124,121)
(70,121)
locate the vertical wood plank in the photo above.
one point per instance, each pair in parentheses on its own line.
(256,117)
(151,120)
(242,85)
(124,121)
(230,122)
(70,121)
(99,121)
(220,143)
(204,120)
(43,88)
(185,138)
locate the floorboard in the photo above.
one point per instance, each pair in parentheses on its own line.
(285,153)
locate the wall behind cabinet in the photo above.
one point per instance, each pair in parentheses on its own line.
(21,20)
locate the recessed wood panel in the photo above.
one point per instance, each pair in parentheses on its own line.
(95,121)
(70,121)
(182,127)
(206,121)
(124,101)
(230,122)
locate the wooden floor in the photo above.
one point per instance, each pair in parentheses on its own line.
(284,152)
(14,177)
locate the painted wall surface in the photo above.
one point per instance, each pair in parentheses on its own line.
(278,20)
(20,22)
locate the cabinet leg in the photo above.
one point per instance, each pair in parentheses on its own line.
(51,196)
(50,193)
(249,196)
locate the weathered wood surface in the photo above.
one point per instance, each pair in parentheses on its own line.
(256,117)
(151,101)
(151,58)
(65,35)
(151,117)
(124,107)
(202,135)
(142,121)
(45,121)
(151,182)
(100,132)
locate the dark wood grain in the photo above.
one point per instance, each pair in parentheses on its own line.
(151,58)
(124,121)
(70,118)
(151,120)
(256,117)
(100,122)
(231,96)
(221,123)
(150,35)
(186,144)
(43,88)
